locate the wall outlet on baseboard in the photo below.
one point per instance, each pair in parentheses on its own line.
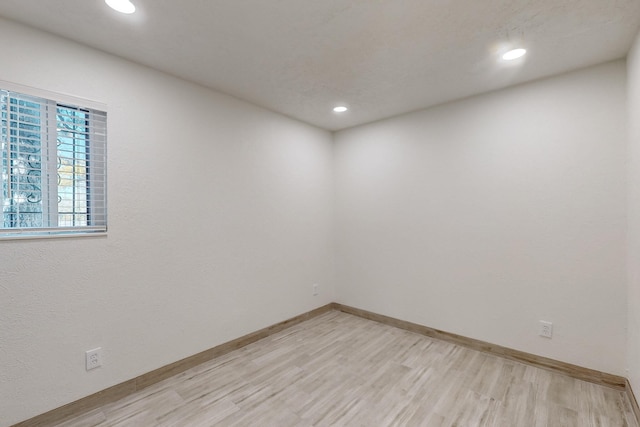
(316,291)
(93,358)
(546,329)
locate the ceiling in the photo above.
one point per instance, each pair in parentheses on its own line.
(379,57)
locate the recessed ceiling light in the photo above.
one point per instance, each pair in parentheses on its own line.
(123,6)
(340,109)
(514,54)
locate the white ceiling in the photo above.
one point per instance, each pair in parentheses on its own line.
(379,57)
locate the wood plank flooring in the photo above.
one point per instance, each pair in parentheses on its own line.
(341,370)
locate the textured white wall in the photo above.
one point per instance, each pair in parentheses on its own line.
(219,223)
(483,216)
(633,257)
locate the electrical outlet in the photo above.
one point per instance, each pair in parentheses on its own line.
(93,358)
(546,329)
(315,290)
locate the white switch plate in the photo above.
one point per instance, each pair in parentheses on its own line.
(93,358)
(546,329)
(315,289)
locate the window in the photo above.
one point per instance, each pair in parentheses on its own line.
(53,166)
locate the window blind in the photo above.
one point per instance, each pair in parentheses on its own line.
(53,166)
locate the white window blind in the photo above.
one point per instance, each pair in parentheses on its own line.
(53,167)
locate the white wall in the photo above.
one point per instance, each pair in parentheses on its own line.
(483,216)
(219,223)
(633,340)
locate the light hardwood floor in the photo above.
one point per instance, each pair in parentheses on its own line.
(342,370)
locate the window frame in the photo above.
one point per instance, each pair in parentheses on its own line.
(56,100)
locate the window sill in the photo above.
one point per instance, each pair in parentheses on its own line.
(33,236)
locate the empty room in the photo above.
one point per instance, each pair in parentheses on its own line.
(319,213)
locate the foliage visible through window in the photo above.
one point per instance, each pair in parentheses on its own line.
(53,166)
